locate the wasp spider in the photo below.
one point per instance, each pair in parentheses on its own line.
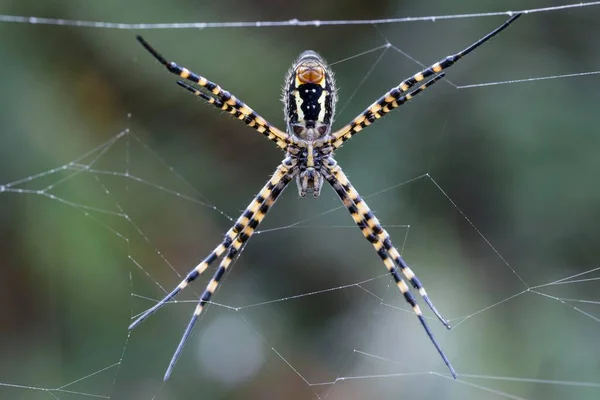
(309,144)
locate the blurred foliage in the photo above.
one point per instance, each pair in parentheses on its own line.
(517,163)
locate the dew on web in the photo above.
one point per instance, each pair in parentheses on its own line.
(309,309)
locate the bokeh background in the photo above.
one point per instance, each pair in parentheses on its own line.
(521,161)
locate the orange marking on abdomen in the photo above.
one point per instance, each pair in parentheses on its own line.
(311,74)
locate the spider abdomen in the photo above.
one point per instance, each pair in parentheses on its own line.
(309,97)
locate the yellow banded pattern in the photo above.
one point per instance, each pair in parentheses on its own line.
(270,196)
(247,218)
(379,238)
(223,100)
(390,100)
(376,111)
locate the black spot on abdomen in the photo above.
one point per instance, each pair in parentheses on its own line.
(310,94)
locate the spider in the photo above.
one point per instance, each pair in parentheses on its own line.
(309,97)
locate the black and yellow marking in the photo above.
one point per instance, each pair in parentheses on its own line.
(374,232)
(223,100)
(310,91)
(378,110)
(270,196)
(245,114)
(388,101)
(380,238)
(247,218)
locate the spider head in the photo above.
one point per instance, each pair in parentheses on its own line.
(309,97)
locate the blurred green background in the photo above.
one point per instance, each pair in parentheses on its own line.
(519,160)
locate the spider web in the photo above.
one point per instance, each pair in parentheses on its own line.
(489,191)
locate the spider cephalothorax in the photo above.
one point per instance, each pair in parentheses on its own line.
(309,97)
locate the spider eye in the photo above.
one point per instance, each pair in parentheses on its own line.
(298,129)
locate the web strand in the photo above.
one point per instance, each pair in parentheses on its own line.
(271,24)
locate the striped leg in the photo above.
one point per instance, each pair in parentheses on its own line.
(247,217)
(387,101)
(369,116)
(381,241)
(379,237)
(270,198)
(222,99)
(249,120)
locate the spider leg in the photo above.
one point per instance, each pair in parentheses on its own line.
(248,120)
(222,99)
(248,217)
(379,237)
(381,241)
(233,251)
(375,110)
(337,140)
